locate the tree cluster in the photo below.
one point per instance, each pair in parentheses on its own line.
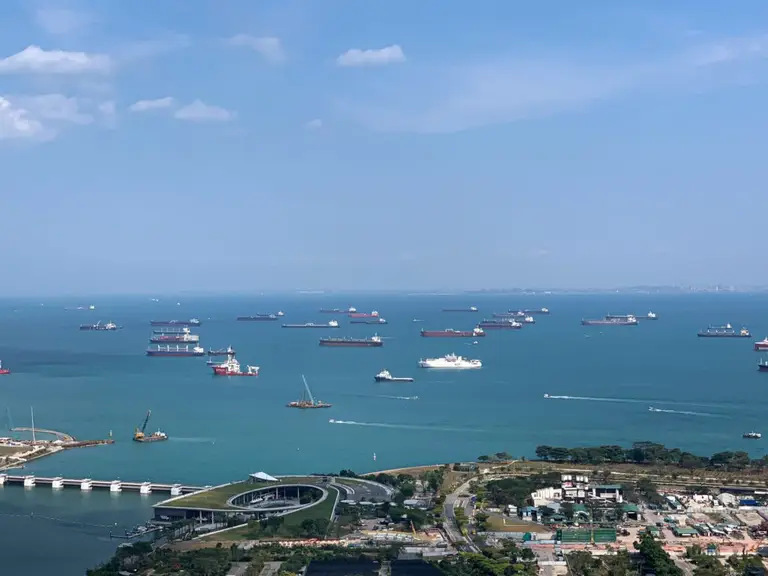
(517,490)
(655,559)
(510,560)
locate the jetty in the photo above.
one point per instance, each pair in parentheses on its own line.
(86,484)
(63,436)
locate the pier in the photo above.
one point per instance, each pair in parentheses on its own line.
(64,437)
(86,484)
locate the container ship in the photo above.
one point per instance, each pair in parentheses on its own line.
(470,309)
(500,324)
(628,321)
(451,333)
(177,350)
(726,331)
(350,310)
(307,401)
(3,371)
(762,345)
(232,368)
(260,317)
(373,314)
(190,322)
(372,342)
(175,339)
(385,376)
(99,327)
(450,361)
(331,324)
(170,330)
(140,434)
(229,351)
(368,321)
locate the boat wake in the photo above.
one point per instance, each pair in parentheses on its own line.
(645,401)
(398,397)
(403,426)
(686,412)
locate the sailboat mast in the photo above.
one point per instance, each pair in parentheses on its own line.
(32,412)
(306,387)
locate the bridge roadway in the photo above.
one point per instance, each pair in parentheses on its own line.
(64,437)
(31,480)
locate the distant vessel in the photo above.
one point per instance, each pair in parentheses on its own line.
(372,342)
(232,368)
(470,309)
(190,322)
(331,324)
(140,436)
(649,316)
(307,400)
(451,333)
(761,345)
(500,324)
(373,314)
(171,330)
(258,318)
(726,331)
(509,314)
(752,435)
(108,327)
(368,321)
(229,351)
(762,365)
(385,376)
(450,361)
(350,310)
(546,396)
(185,338)
(176,350)
(529,320)
(623,321)
(3,371)
(539,311)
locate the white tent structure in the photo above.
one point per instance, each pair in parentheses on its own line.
(261,477)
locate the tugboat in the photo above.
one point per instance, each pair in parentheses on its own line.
(385,376)
(372,342)
(140,436)
(229,351)
(726,331)
(307,400)
(232,368)
(451,333)
(99,327)
(190,322)
(331,324)
(3,371)
(752,435)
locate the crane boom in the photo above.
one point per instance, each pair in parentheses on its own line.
(146,420)
(306,387)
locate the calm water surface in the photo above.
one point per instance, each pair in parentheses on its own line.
(91,383)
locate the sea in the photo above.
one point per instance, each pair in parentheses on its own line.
(706,392)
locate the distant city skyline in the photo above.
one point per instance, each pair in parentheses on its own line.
(394,145)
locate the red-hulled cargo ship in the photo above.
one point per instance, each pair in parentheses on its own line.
(3,371)
(372,342)
(451,333)
(373,314)
(762,345)
(232,368)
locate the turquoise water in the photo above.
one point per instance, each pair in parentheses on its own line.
(88,383)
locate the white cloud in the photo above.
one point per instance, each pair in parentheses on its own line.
(314,124)
(269,47)
(144,105)
(34,59)
(144,49)
(357,57)
(60,21)
(198,111)
(15,122)
(464,96)
(55,107)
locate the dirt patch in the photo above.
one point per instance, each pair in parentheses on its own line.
(504,524)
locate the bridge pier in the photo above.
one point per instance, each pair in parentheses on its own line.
(176,490)
(29,481)
(57,483)
(3,479)
(86,484)
(116,486)
(146,488)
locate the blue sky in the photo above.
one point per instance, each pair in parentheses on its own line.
(247,145)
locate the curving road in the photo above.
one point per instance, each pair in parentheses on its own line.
(450,525)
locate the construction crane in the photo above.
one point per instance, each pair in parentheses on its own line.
(138,435)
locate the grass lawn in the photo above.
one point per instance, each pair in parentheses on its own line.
(11,450)
(216,498)
(502,524)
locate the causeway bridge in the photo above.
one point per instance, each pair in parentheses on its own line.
(86,484)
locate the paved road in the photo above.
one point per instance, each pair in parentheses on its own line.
(450,525)
(356,490)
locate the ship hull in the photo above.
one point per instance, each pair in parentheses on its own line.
(367,322)
(149,439)
(380,379)
(4,372)
(360,315)
(499,327)
(94,329)
(441,334)
(308,326)
(256,319)
(170,354)
(737,335)
(173,341)
(602,323)
(761,347)
(351,344)
(224,372)
(762,367)
(532,312)
(220,353)
(174,323)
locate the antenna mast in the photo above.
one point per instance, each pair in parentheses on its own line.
(32,411)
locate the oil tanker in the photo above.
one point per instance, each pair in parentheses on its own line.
(726,331)
(260,317)
(368,321)
(451,333)
(628,321)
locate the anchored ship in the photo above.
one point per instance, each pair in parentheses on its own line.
(761,345)
(451,333)
(373,314)
(372,342)
(510,314)
(170,330)
(762,365)
(649,316)
(624,321)
(450,361)
(3,371)
(350,310)
(500,324)
(232,368)
(229,351)
(752,435)
(99,327)
(368,321)
(176,350)
(140,434)
(185,338)
(539,311)
(258,318)
(726,331)
(385,376)
(470,309)
(307,400)
(331,324)
(190,322)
